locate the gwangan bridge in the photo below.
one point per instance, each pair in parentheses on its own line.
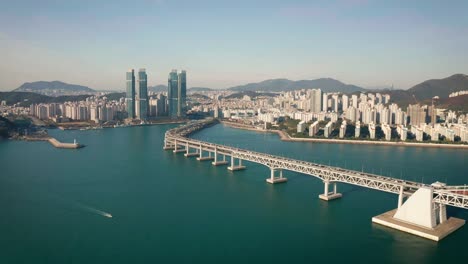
(421,207)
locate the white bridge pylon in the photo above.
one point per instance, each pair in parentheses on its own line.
(425,207)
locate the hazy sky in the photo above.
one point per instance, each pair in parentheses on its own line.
(226,43)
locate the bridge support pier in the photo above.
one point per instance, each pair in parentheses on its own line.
(167,146)
(233,166)
(201,158)
(177,149)
(420,215)
(221,162)
(276,179)
(327,195)
(190,154)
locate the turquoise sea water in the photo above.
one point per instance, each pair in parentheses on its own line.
(170,209)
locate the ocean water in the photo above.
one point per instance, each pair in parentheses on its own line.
(170,209)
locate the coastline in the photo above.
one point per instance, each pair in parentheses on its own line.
(285,137)
(54,142)
(61,127)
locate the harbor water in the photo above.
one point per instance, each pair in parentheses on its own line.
(122,199)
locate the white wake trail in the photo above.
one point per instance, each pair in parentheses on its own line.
(94,210)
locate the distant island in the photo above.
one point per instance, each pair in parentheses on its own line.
(54,88)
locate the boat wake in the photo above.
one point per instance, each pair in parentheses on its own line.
(94,210)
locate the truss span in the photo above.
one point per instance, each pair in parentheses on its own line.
(448,195)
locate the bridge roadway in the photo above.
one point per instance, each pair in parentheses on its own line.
(178,137)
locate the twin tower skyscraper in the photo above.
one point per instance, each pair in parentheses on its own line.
(137,102)
(137,99)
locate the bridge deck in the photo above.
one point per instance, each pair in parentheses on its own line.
(448,195)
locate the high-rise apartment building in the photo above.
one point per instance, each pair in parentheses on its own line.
(325,102)
(142,95)
(417,115)
(177,93)
(130,93)
(316,100)
(344,102)
(182,89)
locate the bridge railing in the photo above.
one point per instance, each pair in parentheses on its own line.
(449,195)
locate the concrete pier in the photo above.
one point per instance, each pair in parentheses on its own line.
(276,179)
(179,150)
(327,195)
(193,154)
(205,158)
(330,196)
(436,234)
(59,144)
(236,168)
(219,163)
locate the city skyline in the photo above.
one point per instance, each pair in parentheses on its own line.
(365,43)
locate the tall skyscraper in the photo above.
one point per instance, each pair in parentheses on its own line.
(173,93)
(177,93)
(182,89)
(130,96)
(142,95)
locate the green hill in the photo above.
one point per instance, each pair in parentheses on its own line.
(439,87)
(28,98)
(277,85)
(48,87)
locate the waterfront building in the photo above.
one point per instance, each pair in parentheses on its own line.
(313,129)
(130,93)
(328,129)
(434,135)
(142,96)
(387,132)
(371,128)
(343,129)
(182,88)
(357,130)
(402,131)
(301,127)
(177,93)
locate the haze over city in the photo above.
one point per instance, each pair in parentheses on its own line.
(223,44)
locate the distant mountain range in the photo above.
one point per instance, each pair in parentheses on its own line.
(420,93)
(277,85)
(163,88)
(53,88)
(157,88)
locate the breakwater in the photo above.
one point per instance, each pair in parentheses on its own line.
(59,144)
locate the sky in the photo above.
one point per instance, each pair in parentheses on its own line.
(226,43)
